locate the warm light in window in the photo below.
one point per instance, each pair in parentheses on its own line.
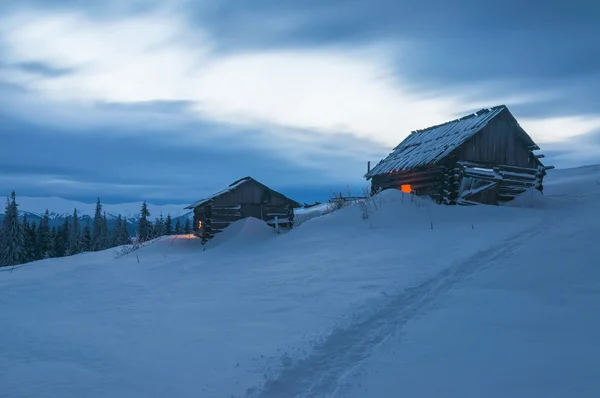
(199,224)
(406,188)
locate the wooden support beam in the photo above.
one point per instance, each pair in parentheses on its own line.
(502,167)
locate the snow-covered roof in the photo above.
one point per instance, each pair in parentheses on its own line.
(230,188)
(430,145)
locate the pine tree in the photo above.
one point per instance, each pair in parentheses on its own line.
(159,229)
(169,225)
(28,253)
(105,233)
(65,237)
(52,243)
(117,232)
(188,227)
(144,224)
(75,234)
(4,232)
(178,229)
(6,210)
(124,239)
(59,248)
(86,239)
(154,233)
(35,249)
(11,243)
(43,237)
(97,229)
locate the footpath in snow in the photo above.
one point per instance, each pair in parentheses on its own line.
(416,300)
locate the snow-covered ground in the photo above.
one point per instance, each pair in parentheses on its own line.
(417,300)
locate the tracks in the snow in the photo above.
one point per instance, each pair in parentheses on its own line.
(322,373)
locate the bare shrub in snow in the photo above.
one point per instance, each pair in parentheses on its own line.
(337,202)
(124,250)
(364,208)
(368,203)
(136,245)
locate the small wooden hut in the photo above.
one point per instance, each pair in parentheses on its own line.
(484,157)
(243,198)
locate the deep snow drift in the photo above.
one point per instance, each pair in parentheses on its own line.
(416,300)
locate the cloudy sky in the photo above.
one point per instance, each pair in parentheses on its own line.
(171,100)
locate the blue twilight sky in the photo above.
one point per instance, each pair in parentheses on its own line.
(171,100)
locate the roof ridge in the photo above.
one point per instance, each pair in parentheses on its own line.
(240,180)
(470,115)
(231,187)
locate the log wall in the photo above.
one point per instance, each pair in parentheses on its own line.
(510,180)
(427,181)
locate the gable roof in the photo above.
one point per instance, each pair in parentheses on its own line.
(233,186)
(430,145)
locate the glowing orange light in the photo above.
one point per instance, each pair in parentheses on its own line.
(406,188)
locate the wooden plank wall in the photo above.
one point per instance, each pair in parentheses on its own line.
(498,143)
(250,192)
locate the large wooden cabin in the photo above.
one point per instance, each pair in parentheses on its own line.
(484,157)
(243,198)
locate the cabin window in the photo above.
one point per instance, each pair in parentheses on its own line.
(406,188)
(200,224)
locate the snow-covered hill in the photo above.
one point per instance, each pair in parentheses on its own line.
(416,300)
(60,208)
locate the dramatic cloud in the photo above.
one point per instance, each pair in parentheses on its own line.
(159,57)
(302,93)
(557,129)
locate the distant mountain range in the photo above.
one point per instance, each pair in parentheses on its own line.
(59,209)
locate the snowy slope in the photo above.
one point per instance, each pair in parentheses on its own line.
(417,300)
(61,208)
(520,320)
